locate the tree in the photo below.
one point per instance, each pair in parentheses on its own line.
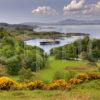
(13,65)
(7,51)
(3,33)
(83,55)
(31,59)
(71,51)
(96,54)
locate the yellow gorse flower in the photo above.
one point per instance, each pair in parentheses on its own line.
(8,84)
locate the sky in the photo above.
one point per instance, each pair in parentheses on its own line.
(19,11)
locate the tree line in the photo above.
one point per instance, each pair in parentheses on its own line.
(85,48)
(15,54)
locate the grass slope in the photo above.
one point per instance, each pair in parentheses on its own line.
(55,65)
(85,91)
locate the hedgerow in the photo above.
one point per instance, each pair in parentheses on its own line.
(8,84)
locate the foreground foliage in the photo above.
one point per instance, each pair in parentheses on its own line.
(8,84)
(15,54)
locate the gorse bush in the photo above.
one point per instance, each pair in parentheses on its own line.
(57,84)
(35,85)
(8,84)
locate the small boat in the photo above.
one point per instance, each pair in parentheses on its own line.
(49,42)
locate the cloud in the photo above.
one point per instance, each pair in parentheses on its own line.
(81,7)
(44,10)
(93,8)
(74,5)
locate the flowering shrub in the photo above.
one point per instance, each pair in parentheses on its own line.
(88,76)
(57,84)
(82,76)
(8,84)
(35,85)
(74,81)
(94,76)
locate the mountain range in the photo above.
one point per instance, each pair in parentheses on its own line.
(78,22)
(67,22)
(63,22)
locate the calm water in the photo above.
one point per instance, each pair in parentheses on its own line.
(93,30)
(46,48)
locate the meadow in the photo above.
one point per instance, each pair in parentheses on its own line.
(55,65)
(85,91)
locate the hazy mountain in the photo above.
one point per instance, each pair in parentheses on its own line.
(78,22)
(66,22)
(63,22)
(36,23)
(22,26)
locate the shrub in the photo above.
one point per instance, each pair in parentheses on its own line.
(3,60)
(70,74)
(74,81)
(13,65)
(83,55)
(25,75)
(32,60)
(3,33)
(6,83)
(83,76)
(88,76)
(7,51)
(58,75)
(58,84)
(94,76)
(35,85)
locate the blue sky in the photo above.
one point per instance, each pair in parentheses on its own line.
(18,11)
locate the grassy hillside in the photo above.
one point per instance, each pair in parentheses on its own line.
(55,65)
(64,66)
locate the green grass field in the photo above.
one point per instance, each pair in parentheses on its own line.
(85,91)
(55,65)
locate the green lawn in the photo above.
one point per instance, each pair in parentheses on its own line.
(55,65)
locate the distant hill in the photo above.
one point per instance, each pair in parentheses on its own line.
(36,23)
(78,22)
(19,26)
(66,22)
(62,22)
